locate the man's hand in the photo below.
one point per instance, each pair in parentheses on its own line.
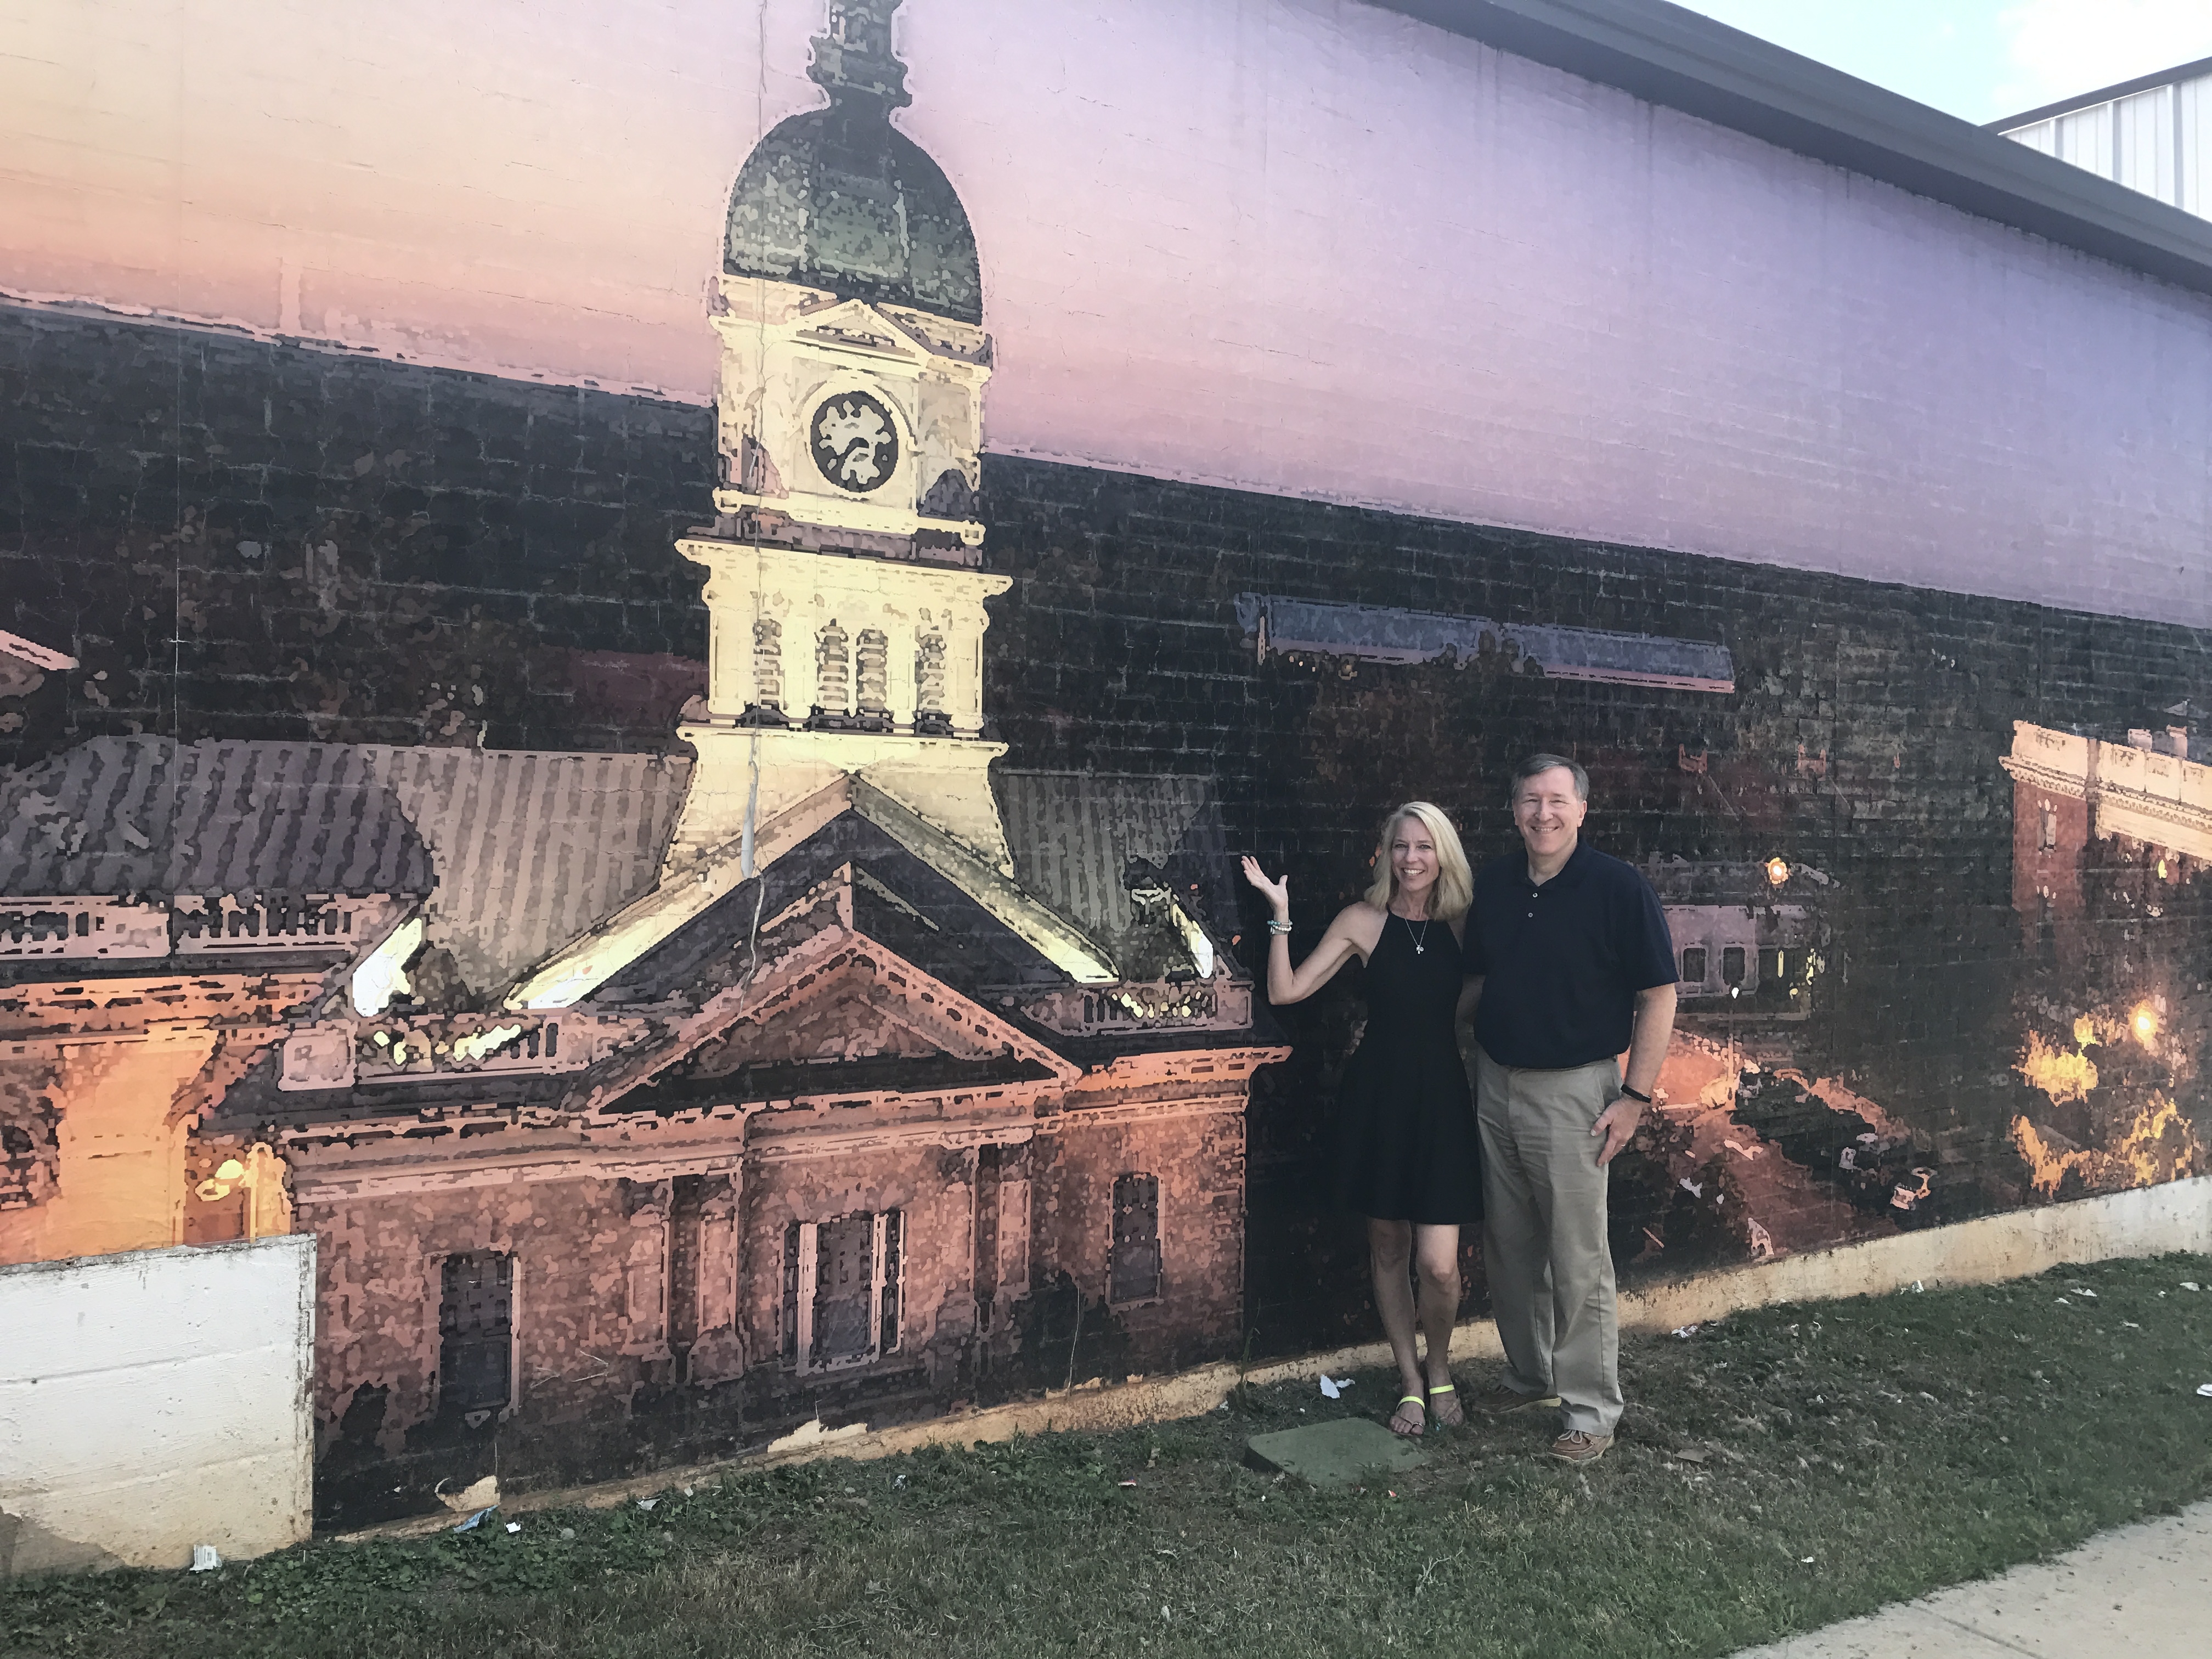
(1617,1123)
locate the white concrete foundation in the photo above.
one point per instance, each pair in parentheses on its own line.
(153,1400)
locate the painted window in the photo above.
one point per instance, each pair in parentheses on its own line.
(1732,965)
(929,684)
(841,1302)
(1693,965)
(833,671)
(1133,1273)
(2050,841)
(871,668)
(476,1334)
(767,663)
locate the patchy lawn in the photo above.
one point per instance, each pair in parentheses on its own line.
(1776,1472)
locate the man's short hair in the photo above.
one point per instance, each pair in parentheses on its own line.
(1535,764)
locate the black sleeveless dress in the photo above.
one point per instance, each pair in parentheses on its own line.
(1407,1148)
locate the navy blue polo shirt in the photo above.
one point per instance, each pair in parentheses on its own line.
(1562,962)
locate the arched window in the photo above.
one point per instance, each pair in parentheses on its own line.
(833,674)
(872,669)
(768,665)
(929,713)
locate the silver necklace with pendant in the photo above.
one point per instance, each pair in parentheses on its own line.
(1419,947)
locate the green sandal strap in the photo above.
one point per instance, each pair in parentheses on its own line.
(1446,1388)
(1414,1398)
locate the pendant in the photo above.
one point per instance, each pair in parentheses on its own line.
(1420,949)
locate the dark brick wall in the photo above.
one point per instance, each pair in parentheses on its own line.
(1864,737)
(250,539)
(240,539)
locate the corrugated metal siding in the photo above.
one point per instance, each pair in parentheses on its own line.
(519,851)
(2158,142)
(2143,143)
(2085,138)
(2193,101)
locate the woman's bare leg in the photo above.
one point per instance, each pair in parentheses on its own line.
(1389,1249)
(1436,1256)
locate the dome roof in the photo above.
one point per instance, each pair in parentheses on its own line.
(839,199)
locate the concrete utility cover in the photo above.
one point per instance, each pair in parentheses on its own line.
(1338,1454)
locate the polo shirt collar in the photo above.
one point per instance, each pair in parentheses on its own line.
(1571,872)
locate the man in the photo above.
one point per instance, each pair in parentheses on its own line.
(1573,963)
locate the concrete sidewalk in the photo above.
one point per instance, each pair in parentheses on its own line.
(2143,1590)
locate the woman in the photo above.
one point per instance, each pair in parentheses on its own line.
(1406,1154)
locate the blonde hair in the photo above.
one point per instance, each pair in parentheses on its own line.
(1454,889)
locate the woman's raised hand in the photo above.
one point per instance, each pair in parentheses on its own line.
(1278,892)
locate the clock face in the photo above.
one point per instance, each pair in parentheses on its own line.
(855,442)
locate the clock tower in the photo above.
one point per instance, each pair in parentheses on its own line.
(843,581)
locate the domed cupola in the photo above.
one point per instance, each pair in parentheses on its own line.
(845,589)
(840,200)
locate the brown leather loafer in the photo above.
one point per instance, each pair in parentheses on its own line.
(1581,1446)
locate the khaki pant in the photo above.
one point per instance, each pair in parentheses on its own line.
(1544,1233)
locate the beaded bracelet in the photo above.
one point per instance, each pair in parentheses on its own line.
(1274,926)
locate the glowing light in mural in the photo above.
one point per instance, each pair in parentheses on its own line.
(1778,871)
(2160,1145)
(2085,1032)
(2064,1074)
(2144,1023)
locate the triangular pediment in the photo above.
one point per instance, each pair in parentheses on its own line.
(830,1011)
(686,893)
(854,325)
(860,1007)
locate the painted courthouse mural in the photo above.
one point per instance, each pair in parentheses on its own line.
(720,921)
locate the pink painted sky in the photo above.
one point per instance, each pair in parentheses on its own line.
(1301,246)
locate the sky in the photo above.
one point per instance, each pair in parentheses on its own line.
(1981,60)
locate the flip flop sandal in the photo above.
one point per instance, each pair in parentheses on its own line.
(1404,1400)
(1446,1388)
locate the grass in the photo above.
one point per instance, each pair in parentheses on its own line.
(1841,1456)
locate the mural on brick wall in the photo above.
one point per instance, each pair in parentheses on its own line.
(721,922)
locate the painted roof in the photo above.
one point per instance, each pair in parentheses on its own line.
(531,848)
(1093,844)
(516,852)
(119,816)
